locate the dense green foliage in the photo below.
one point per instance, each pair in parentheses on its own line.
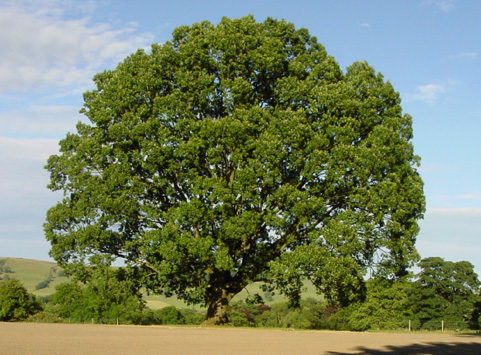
(15,302)
(386,307)
(309,314)
(445,291)
(238,153)
(442,292)
(104,295)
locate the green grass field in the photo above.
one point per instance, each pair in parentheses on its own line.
(32,272)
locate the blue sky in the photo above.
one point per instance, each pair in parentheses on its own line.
(429,50)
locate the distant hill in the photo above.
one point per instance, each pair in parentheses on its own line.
(33,272)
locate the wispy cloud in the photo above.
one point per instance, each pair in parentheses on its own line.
(428,93)
(462,202)
(24,194)
(24,180)
(467,55)
(427,168)
(445,5)
(470,198)
(464,211)
(463,55)
(32,151)
(39,121)
(364,25)
(43,46)
(436,248)
(50,48)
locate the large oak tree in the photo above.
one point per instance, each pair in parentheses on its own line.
(239,153)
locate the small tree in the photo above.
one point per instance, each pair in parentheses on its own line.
(445,290)
(386,306)
(238,153)
(16,303)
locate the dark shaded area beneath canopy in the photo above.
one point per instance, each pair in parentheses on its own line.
(421,349)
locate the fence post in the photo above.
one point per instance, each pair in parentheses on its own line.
(442,326)
(409,325)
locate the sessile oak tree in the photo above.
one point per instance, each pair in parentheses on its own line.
(238,153)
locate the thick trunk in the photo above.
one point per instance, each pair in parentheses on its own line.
(219,294)
(217,311)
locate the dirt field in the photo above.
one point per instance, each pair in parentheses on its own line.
(28,338)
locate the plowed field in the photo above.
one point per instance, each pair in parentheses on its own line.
(28,338)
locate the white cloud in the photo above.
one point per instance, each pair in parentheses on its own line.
(469,202)
(471,55)
(471,196)
(445,5)
(32,150)
(24,195)
(364,25)
(23,179)
(428,93)
(426,168)
(458,212)
(463,56)
(437,249)
(40,121)
(43,47)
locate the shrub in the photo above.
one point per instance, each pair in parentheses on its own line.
(192,316)
(309,315)
(44,317)
(105,297)
(169,315)
(43,284)
(16,303)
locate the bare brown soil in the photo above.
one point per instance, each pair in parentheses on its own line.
(29,338)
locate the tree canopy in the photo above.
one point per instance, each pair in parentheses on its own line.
(236,153)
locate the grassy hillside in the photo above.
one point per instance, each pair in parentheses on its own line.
(156,302)
(32,272)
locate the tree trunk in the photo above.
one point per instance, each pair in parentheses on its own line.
(219,294)
(217,311)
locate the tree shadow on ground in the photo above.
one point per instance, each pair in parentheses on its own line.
(418,349)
